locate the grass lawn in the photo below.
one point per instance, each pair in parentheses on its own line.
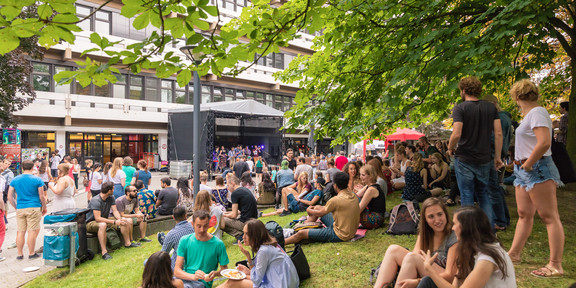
(336,265)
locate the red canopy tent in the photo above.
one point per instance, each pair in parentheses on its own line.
(402,134)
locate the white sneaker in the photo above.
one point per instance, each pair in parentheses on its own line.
(11,246)
(2,259)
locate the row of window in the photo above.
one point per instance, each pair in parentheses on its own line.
(150,88)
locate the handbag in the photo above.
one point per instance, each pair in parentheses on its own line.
(300,262)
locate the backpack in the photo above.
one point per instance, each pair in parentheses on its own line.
(276,231)
(404,219)
(327,194)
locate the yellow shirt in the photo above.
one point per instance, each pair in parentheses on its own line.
(346,213)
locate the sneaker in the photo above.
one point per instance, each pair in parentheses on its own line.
(160,237)
(11,246)
(2,258)
(146,240)
(259,214)
(133,244)
(106,256)
(34,256)
(19,257)
(285,213)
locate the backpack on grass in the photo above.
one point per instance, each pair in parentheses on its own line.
(276,231)
(404,219)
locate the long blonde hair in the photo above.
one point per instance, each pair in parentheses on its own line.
(117,165)
(417,163)
(300,184)
(202,201)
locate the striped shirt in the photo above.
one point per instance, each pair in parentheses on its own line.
(172,239)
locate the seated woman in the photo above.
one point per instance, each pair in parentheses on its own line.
(270,267)
(440,174)
(353,171)
(220,193)
(416,181)
(381,179)
(158,272)
(435,234)
(203,201)
(297,190)
(372,199)
(481,260)
(399,169)
(185,195)
(266,190)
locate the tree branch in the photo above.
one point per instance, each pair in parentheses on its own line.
(569,50)
(557,23)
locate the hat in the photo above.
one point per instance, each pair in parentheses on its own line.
(321,181)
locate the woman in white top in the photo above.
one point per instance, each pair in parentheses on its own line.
(536,179)
(398,170)
(64,189)
(44,173)
(203,201)
(481,261)
(118,177)
(75,171)
(96,180)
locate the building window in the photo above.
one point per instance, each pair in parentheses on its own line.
(218,94)
(205,94)
(66,88)
(269,100)
(41,77)
(181,94)
(167,87)
(152,89)
(274,60)
(119,88)
(98,22)
(136,87)
(102,91)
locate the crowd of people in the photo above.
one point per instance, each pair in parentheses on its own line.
(341,194)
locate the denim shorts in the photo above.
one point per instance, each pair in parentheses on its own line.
(542,171)
(293,204)
(324,234)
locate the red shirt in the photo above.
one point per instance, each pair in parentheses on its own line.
(340,162)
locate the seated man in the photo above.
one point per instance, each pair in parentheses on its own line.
(97,220)
(146,200)
(127,206)
(182,228)
(341,216)
(167,197)
(199,254)
(243,202)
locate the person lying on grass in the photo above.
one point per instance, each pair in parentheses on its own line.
(294,203)
(341,216)
(271,267)
(481,261)
(436,235)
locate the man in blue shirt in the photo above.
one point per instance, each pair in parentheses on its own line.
(30,205)
(182,228)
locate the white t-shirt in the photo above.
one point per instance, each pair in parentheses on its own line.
(496,280)
(55,161)
(95,177)
(118,178)
(250,164)
(215,211)
(525,137)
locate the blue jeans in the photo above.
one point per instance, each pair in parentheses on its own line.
(118,191)
(427,282)
(496,193)
(193,284)
(324,234)
(473,181)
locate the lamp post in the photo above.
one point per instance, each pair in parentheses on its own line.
(195,57)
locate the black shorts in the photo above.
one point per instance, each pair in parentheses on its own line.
(258,170)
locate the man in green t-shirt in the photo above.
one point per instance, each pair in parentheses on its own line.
(199,255)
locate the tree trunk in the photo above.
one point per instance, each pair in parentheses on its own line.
(571,144)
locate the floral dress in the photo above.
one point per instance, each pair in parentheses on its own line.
(147,203)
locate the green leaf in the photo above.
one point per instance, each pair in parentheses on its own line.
(184,77)
(8,40)
(212,10)
(142,21)
(202,25)
(10,12)
(45,11)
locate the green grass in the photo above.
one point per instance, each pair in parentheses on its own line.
(335,265)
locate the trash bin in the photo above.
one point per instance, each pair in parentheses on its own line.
(60,244)
(77,215)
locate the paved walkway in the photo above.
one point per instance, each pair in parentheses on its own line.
(11,273)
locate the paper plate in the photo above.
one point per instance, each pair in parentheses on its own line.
(31,269)
(233,274)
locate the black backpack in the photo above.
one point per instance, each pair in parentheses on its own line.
(327,194)
(276,231)
(404,219)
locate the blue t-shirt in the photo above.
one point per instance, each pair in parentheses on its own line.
(144,176)
(311,195)
(26,187)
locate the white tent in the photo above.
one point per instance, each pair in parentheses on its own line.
(250,107)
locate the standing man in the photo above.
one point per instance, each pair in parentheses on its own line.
(341,160)
(474,122)
(30,205)
(290,157)
(563,128)
(54,161)
(199,255)
(303,167)
(128,208)
(167,197)
(497,193)
(98,220)
(244,208)
(240,167)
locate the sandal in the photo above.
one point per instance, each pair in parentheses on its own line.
(450,202)
(547,272)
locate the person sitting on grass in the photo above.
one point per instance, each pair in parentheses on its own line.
(298,203)
(439,174)
(244,208)
(157,272)
(204,202)
(170,241)
(372,199)
(480,259)
(270,267)
(296,190)
(199,255)
(97,220)
(416,181)
(127,206)
(341,216)
(435,234)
